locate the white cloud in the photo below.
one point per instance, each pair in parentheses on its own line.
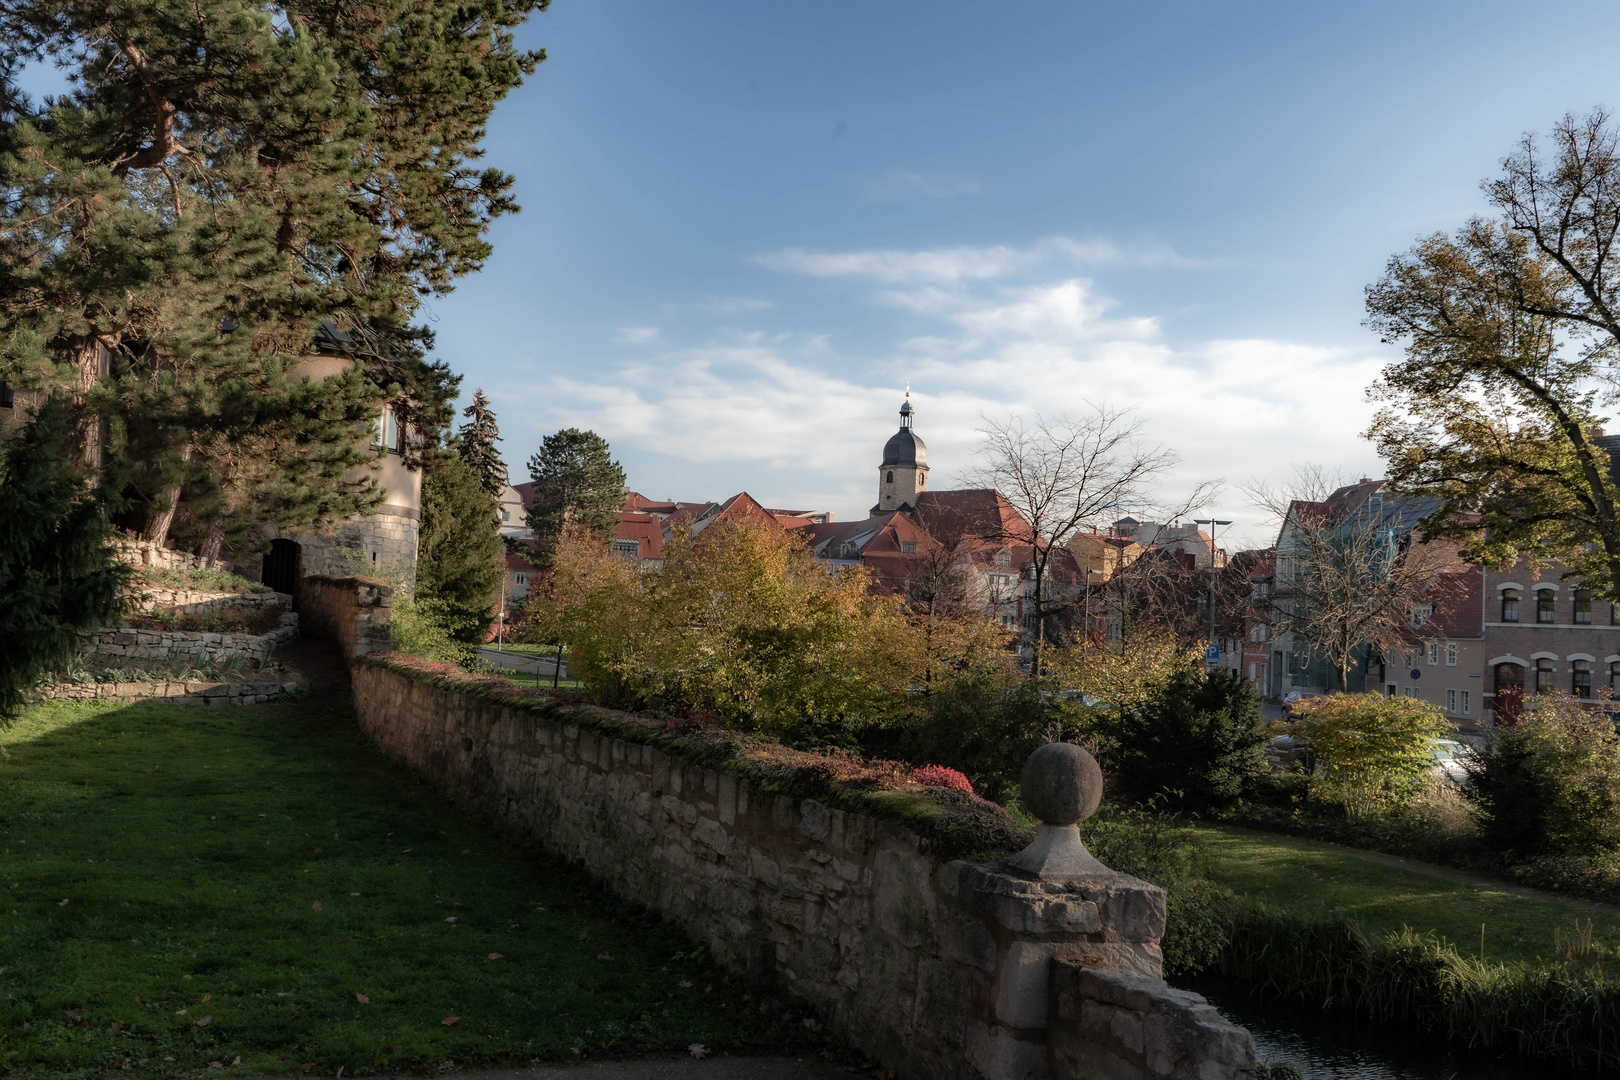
(794,419)
(956,265)
(896,185)
(636,335)
(733,305)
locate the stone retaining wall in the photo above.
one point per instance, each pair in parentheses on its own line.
(195,692)
(152,598)
(938,970)
(353,611)
(162,644)
(144,553)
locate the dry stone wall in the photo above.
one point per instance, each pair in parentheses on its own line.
(163,644)
(144,553)
(194,692)
(939,970)
(353,611)
(195,602)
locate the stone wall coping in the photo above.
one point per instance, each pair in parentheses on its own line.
(951,825)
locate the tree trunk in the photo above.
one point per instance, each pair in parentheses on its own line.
(85,353)
(157,527)
(216,540)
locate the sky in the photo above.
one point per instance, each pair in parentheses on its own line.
(748,226)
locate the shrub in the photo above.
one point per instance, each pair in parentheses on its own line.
(1376,752)
(1198,741)
(941,776)
(1550,785)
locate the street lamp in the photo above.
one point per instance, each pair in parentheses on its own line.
(1212,523)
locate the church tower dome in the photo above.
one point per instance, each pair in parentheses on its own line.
(903,473)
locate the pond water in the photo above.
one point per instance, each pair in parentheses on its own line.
(1340,1046)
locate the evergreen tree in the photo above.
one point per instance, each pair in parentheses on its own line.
(220,183)
(460,561)
(476,444)
(578,489)
(58,580)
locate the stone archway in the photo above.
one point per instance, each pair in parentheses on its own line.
(282,565)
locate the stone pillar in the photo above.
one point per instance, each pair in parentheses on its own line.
(1075,941)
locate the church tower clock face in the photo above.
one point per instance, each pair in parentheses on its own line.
(903,472)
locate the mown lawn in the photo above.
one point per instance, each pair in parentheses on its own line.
(258,888)
(1384,899)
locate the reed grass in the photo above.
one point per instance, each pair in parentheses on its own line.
(1563,1010)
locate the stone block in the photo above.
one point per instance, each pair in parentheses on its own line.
(814,820)
(1022,984)
(999,1054)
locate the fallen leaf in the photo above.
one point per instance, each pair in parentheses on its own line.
(61,904)
(362,999)
(332,824)
(316,905)
(604,956)
(354,894)
(467,852)
(494,956)
(451,919)
(207,997)
(698,1050)
(584,935)
(205,1021)
(447,1021)
(317,851)
(117,1025)
(216,1065)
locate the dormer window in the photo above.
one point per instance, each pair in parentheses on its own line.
(1003,558)
(908,547)
(627,548)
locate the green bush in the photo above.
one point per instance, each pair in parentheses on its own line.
(1198,741)
(1375,752)
(1550,784)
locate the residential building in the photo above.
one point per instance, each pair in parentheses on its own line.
(1543,633)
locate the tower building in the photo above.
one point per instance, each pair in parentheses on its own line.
(904,472)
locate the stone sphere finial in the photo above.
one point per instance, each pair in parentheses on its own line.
(1061,784)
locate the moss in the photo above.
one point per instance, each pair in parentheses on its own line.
(952,824)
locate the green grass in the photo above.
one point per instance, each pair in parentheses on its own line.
(185,886)
(545,652)
(1385,899)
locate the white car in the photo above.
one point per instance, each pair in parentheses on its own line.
(1448,755)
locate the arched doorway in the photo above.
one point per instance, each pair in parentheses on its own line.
(1509,687)
(281,566)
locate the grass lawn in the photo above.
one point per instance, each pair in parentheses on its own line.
(1384,899)
(545,652)
(260,888)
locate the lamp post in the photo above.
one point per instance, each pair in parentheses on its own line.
(1086,639)
(1212,523)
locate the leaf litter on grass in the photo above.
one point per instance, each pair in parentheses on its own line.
(167,912)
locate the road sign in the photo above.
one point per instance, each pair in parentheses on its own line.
(1213,652)
(1416,674)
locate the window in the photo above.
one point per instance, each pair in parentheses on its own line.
(1614,676)
(888,477)
(522,579)
(1421,613)
(1003,558)
(630,548)
(1410,691)
(1434,653)
(1451,654)
(1546,606)
(1451,701)
(1544,675)
(386,434)
(1580,678)
(1251,673)
(1465,702)
(1509,677)
(908,547)
(1583,606)
(1510,605)
(506,515)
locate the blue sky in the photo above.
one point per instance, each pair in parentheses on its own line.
(748,225)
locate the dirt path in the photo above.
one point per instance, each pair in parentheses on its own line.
(674,1068)
(1458,877)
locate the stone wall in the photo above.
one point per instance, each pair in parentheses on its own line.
(353,611)
(195,602)
(144,553)
(162,644)
(938,970)
(194,692)
(1111,1025)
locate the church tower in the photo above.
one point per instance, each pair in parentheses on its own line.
(904,472)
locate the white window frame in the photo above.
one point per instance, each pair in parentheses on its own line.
(1434,653)
(1451,700)
(1451,654)
(1465,703)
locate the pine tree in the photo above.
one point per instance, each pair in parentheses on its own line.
(220,182)
(460,561)
(476,444)
(578,489)
(58,580)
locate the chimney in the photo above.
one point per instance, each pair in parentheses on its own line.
(1597,433)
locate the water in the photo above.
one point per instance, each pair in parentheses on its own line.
(1340,1046)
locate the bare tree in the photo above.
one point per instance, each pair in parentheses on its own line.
(1063,476)
(1351,573)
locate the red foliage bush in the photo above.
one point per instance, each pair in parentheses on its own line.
(942,776)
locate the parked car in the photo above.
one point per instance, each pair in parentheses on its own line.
(1292,700)
(1447,754)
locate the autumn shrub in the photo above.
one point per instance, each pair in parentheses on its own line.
(1549,786)
(1374,753)
(941,776)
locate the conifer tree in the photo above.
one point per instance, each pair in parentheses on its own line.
(578,490)
(476,444)
(460,560)
(223,181)
(58,580)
